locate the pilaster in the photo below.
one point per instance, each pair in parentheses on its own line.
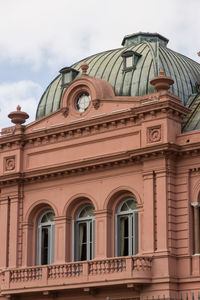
(102,234)
(4,223)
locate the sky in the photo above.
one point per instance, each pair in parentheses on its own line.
(39,37)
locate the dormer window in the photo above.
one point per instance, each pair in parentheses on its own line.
(68,75)
(130,60)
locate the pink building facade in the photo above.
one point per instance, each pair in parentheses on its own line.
(99,199)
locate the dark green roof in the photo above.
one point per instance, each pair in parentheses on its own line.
(192,120)
(152,55)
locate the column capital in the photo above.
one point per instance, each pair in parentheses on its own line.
(195,204)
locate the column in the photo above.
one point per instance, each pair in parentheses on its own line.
(196,227)
(4,214)
(13,231)
(162,211)
(148,233)
(102,234)
(29,247)
(62,240)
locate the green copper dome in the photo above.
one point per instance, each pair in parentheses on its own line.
(129,70)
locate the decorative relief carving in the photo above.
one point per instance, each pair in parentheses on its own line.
(8,130)
(154,134)
(96,103)
(9,163)
(65,111)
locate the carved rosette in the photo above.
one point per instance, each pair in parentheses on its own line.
(9,163)
(154,134)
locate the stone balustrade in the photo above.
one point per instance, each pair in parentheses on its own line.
(77,274)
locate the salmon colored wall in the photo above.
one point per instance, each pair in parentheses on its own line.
(138,151)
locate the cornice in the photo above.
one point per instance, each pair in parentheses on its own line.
(133,117)
(106,162)
(103,163)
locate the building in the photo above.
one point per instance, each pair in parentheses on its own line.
(99,197)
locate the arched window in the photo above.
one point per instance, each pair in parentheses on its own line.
(45,238)
(84,233)
(126,227)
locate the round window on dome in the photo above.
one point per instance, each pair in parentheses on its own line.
(82,102)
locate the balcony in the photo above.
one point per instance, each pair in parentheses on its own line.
(110,271)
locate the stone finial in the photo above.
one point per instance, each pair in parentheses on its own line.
(18,107)
(84,68)
(18,117)
(161,73)
(162,82)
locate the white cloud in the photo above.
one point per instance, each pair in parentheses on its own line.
(58,32)
(24,93)
(55,33)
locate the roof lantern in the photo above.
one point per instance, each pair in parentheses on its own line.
(136,38)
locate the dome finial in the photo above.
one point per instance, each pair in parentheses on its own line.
(84,68)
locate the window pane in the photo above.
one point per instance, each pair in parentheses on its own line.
(124,236)
(87,211)
(129,204)
(129,62)
(45,246)
(45,238)
(84,233)
(82,241)
(48,217)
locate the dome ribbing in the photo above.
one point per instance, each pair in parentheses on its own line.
(149,54)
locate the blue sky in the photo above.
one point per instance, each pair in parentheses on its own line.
(39,37)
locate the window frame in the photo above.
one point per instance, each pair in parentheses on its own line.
(132,228)
(51,238)
(90,225)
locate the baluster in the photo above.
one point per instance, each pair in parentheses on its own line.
(99,267)
(96,267)
(106,266)
(90,268)
(73,269)
(53,272)
(62,271)
(67,270)
(12,277)
(25,275)
(57,271)
(103,267)
(15,275)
